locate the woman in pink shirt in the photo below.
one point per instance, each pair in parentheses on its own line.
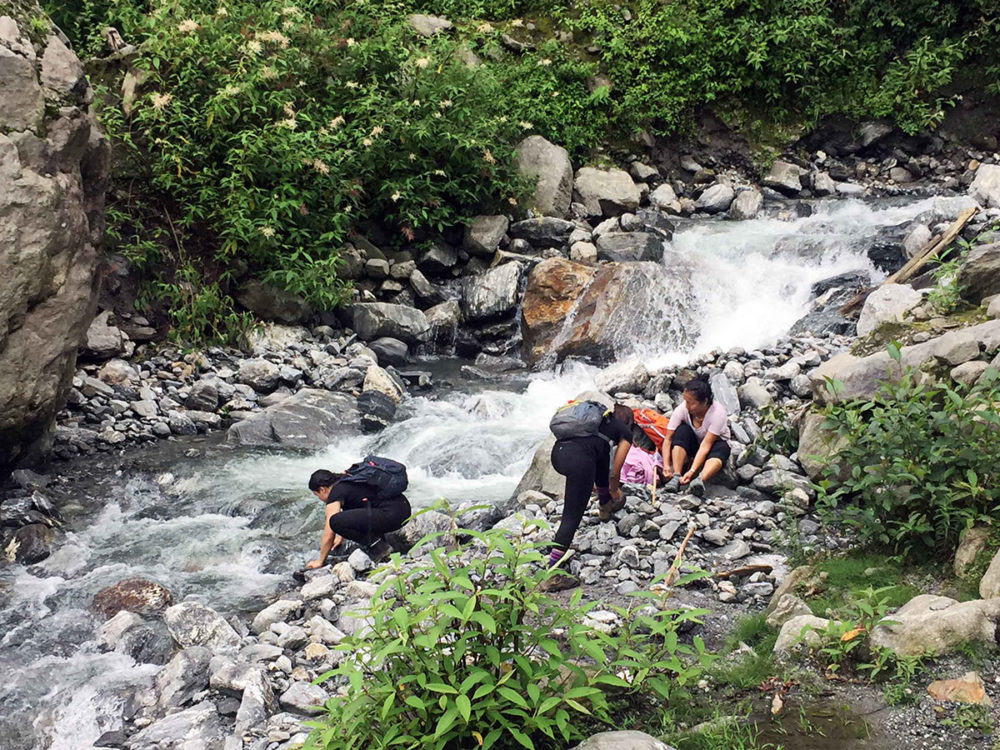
(698,439)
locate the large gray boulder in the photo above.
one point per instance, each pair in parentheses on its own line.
(493,294)
(888,303)
(543,231)
(308,419)
(373,320)
(193,624)
(183,676)
(979,274)
(985,187)
(785,178)
(716,199)
(746,205)
(270,303)
(483,235)
(550,166)
(936,625)
(606,192)
(860,377)
(989,585)
(622,740)
(628,247)
(818,448)
(198,726)
(53,172)
(540,476)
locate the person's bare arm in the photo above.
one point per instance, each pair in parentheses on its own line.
(668,466)
(700,457)
(329,540)
(614,484)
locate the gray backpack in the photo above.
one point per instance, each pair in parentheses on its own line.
(577,419)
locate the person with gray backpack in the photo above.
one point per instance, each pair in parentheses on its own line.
(585,433)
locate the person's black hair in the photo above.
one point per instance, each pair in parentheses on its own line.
(700,390)
(323,478)
(624,414)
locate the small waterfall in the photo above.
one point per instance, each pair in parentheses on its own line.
(228,528)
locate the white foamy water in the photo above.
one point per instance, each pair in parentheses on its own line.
(227,529)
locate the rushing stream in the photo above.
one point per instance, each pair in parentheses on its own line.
(226,528)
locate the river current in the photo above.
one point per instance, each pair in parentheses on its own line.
(226,528)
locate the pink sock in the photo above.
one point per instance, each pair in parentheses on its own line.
(555,555)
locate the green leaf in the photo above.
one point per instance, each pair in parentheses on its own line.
(464,706)
(440,687)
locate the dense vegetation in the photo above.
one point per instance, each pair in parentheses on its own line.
(923,461)
(260,135)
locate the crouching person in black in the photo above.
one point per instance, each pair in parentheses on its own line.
(358,512)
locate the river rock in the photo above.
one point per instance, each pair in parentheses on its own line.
(426,25)
(137,595)
(417,528)
(31,543)
(785,177)
(989,585)
(483,235)
(586,252)
(972,541)
(183,677)
(603,192)
(193,624)
(818,448)
(103,338)
(725,393)
(373,320)
(968,689)
(785,608)
(303,697)
(664,197)
(492,295)
(198,726)
(624,247)
(260,374)
(543,231)
(936,625)
(622,740)
(985,187)
(549,165)
(888,303)
(378,379)
(203,396)
(746,205)
(128,633)
(753,394)
(307,419)
(541,476)
(118,372)
(570,309)
(439,258)
(823,184)
(716,199)
(630,376)
(280,611)
(979,274)
(805,629)
(269,302)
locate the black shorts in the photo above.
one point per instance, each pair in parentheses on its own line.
(685,437)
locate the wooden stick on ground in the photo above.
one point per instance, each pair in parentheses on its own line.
(745,570)
(926,254)
(672,573)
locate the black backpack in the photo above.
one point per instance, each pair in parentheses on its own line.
(386,476)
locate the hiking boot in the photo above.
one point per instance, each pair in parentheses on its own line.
(560,581)
(379,551)
(673,485)
(605,511)
(697,487)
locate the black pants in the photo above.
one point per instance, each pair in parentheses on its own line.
(584,462)
(685,437)
(366,525)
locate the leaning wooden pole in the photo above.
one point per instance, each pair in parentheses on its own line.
(924,256)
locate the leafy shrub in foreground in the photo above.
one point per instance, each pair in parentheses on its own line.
(924,463)
(466,651)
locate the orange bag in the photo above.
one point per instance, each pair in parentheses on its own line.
(653,424)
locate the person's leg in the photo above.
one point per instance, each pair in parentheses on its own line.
(684,446)
(717,458)
(365,525)
(578,468)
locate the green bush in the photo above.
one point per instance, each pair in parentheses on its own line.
(924,463)
(465,650)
